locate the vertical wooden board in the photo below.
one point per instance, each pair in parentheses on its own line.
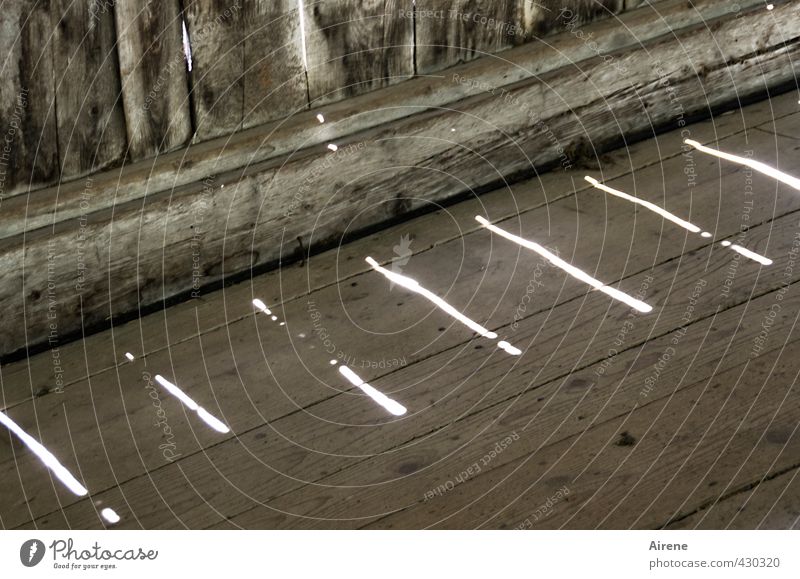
(354,46)
(28,138)
(154,75)
(91,125)
(452,31)
(215,30)
(274,76)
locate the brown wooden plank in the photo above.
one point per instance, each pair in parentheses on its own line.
(29,152)
(91,125)
(154,76)
(275,84)
(215,35)
(770,502)
(355,46)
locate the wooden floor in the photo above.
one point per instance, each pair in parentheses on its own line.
(684,417)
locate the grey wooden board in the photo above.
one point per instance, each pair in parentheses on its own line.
(356,46)
(246,341)
(449,32)
(91,124)
(244,223)
(184,321)
(154,76)
(345,118)
(29,155)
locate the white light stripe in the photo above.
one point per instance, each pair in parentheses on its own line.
(570,269)
(651,206)
(332,147)
(110,515)
(320,118)
(47,457)
(514,351)
(204,415)
(129,356)
(262,306)
(752,255)
(413,285)
(393,407)
(187,47)
(177,392)
(757,165)
(212,421)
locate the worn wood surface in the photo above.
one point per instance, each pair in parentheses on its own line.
(462,399)
(154,76)
(452,31)
(29,155)
(91,125)
(351,116)
(355,46)
(200,233)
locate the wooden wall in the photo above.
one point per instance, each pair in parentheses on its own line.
(109,80)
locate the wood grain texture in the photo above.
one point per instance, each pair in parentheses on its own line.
(356,46)
(353,115)
(29,151)
(91,124)
(216,383)
(154,76)
(449,32)
(242,230)
(215,34)
(275,84)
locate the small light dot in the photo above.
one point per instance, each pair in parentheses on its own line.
(222,186)
(452,130)
(301,335)
(129,356)
(333,362)
(274,318)
(282,324)
(333,147)
(726,243)
(320,118)
(705,234)
(770,6)
(110,515)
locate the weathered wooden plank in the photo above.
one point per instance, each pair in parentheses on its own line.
(352,115)
(91,125)
(770,503)
(29,152)
(221,355)
(215,36)
(275,84)
(346,206)
(355,46)
(154,76)
(452,31)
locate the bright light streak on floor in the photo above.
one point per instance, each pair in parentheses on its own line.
(509,348)
(393,407)
(204,415)
(50,461)
(110,516)
(413,285)
(570,269)
(262,306)
(129,356)
(333,147)
(756,165)
(320,118)
(651,206)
